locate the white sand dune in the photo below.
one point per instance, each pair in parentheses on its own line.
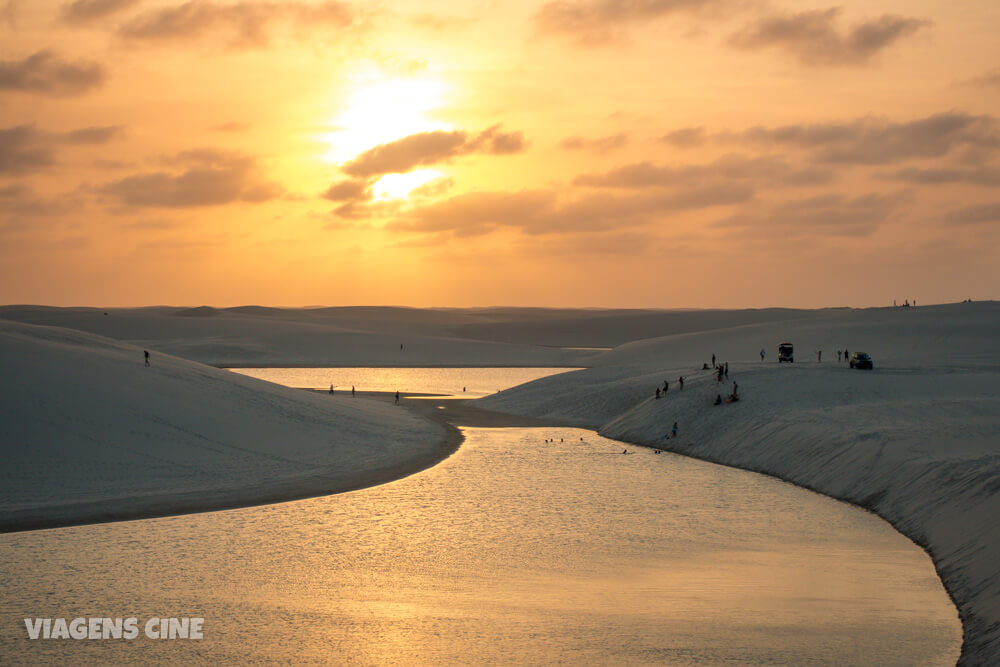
(256,336)
(917,440)
(89,434)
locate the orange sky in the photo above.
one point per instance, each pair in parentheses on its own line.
(653,153)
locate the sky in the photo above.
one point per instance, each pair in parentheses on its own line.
(588,153)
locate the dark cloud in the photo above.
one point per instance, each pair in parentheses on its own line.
(989,80)
(23,149)
(764,170)
(686,137)
(600,22)
(431,189)
(207,178)
(94,135)
(978,214)
(46,73)
(426,148)
(599,145)
(359,190)
(814,38)
(87,11)
(825,215)
(19,202)
(248,23)
(987,176)
(9,12)
(873,140)
(538,211)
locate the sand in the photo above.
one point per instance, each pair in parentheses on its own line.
(916,440)
(90,434)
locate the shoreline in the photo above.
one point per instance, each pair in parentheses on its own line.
(453,415)
(918,541)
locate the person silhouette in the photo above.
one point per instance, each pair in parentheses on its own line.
(145,354)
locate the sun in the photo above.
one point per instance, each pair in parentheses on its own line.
(380,110)
(398,186)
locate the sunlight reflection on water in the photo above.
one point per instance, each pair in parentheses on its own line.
(477,382)
(514,550)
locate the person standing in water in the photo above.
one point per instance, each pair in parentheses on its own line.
(145,354)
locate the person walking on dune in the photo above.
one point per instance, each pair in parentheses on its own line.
(713,360)
(762,354)
(727,370)
(145,354)
(665,386)
(352,391)
(397,398)
(673,431)
(657,393)
(680,381)
(819,356)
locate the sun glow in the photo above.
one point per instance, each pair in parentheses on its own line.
(398,186)
(381,110)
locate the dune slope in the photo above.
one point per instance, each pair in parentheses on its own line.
(917,440)
(89,433)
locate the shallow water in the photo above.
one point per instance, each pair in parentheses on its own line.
(512,551)
(465,382)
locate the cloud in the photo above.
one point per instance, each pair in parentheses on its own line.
(978,214)
(599,145)
(686,137)
(249,23)
(813,37)
(94,135)
(989,80)
(872,140)
(729,168)
(46,73)
(359,190)
(200,178)
(86,11)
(539,212)
(601,22)
(23,149)
(18,202)
(988,176)
(9,12)
(426,148)
(826,215)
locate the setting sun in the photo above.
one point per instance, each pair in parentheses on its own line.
(398,186)
(381,110)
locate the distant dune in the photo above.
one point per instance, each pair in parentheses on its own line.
(916,440)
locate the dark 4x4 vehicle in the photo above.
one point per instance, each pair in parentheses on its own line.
(861,360)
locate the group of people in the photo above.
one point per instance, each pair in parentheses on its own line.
(666,386)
